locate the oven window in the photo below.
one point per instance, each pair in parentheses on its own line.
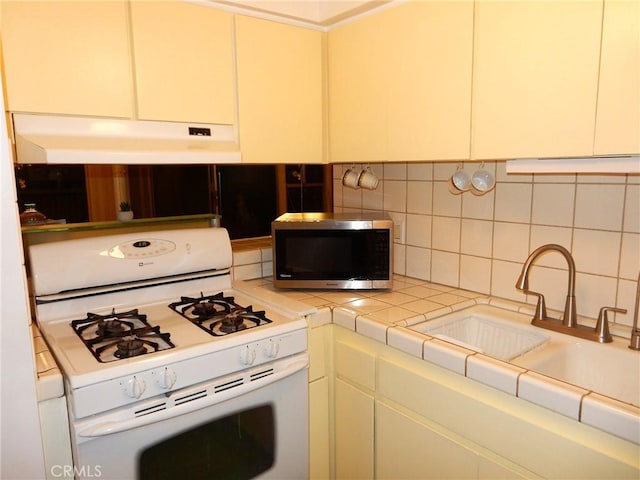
(236,447)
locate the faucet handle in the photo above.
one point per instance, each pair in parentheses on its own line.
(541,306)
(602,326)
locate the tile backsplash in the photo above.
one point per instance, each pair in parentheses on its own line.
(480,242)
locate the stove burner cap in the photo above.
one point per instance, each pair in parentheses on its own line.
(233,322)
(107,328)
(204,309)
(130,347)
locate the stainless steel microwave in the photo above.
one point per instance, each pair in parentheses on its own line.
(333,250)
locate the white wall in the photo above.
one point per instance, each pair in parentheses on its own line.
(480,243)
(21,454)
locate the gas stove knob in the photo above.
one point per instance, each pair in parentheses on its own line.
(247,355)
(135,387)
(167,378)
(272,348)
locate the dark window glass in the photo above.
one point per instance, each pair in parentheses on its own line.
(59,191)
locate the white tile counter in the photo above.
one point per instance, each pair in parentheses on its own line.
(385,315)
(49,384)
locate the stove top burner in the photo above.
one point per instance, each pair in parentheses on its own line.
(218,314)
(120,335)
(130,347)
(111,328)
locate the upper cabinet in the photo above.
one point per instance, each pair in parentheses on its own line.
(88,58)
(68,57)
(421,80)
(184,66)
(535,78)
(400,84)
(280,92)
(618,115)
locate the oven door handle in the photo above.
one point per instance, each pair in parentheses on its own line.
(116,426)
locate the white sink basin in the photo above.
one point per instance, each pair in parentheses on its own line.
(610,369)
(495,332)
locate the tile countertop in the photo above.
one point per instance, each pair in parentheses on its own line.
(385,315)
(49,383)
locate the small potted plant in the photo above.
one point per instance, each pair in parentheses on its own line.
(125,214)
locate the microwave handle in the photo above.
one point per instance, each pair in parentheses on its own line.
(109,427)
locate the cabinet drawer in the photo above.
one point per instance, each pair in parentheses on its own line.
(356,365)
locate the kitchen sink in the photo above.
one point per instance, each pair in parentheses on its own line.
(610,369)
(485,329)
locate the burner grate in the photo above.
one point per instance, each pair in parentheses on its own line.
(120,335)
(218,314)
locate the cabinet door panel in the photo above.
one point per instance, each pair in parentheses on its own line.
(183,62)
(618,118)
(535,78)
(400,84)
(407,449)
(279,92)
(353,432)
(319,432)
(67,57)
(429,72)
(357,92)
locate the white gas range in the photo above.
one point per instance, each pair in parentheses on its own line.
(157,344)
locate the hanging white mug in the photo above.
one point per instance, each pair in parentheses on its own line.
(368,179)
(482,181)
(459,182)
(351,177)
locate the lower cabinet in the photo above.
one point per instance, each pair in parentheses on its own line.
(397,416)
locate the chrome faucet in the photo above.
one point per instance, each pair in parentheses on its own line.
(569,318)
(569,323)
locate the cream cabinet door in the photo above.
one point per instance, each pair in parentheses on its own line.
(408,449)
(280,109)
(618,116)
(184,67)
(535,78)
(67,57)
(319,427)
(354,432)
(319,431)
(400,84)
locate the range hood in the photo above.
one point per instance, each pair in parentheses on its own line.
(47,139)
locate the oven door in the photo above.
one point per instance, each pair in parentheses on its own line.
(223,429)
